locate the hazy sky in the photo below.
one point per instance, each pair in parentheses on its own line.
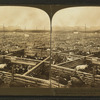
(77,16)
(24,16)
(34,18)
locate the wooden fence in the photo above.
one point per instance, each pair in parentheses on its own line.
(34,68)
(27,80)
(85,77)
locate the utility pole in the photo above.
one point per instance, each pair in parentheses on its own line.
(85,28)
(13,72)
(44,29)
(3,40)
(25,28)
(94,73)
(36,28)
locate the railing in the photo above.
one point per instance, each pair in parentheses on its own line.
(22,60)
(35,67)
(7,78)
(85,77)
(27,80)
(95,60)
(70,64)
(37,82)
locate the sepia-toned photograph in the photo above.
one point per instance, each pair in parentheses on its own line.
(25,47)
(36,53)
(76,47)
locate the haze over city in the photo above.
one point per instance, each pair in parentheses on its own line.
(77,17)
(31,18)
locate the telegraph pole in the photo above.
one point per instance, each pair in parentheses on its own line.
(3,34)
(85,28)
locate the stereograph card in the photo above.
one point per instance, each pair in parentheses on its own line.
(49,48)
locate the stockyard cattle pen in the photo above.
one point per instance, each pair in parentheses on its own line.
(64,71)
(34,64)
(61,73)
(27,79)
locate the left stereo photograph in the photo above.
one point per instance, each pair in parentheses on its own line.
(24,47)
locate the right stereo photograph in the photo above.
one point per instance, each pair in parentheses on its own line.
(75,43)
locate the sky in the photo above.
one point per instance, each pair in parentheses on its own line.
(77,16)
(31,18)
(34,18)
